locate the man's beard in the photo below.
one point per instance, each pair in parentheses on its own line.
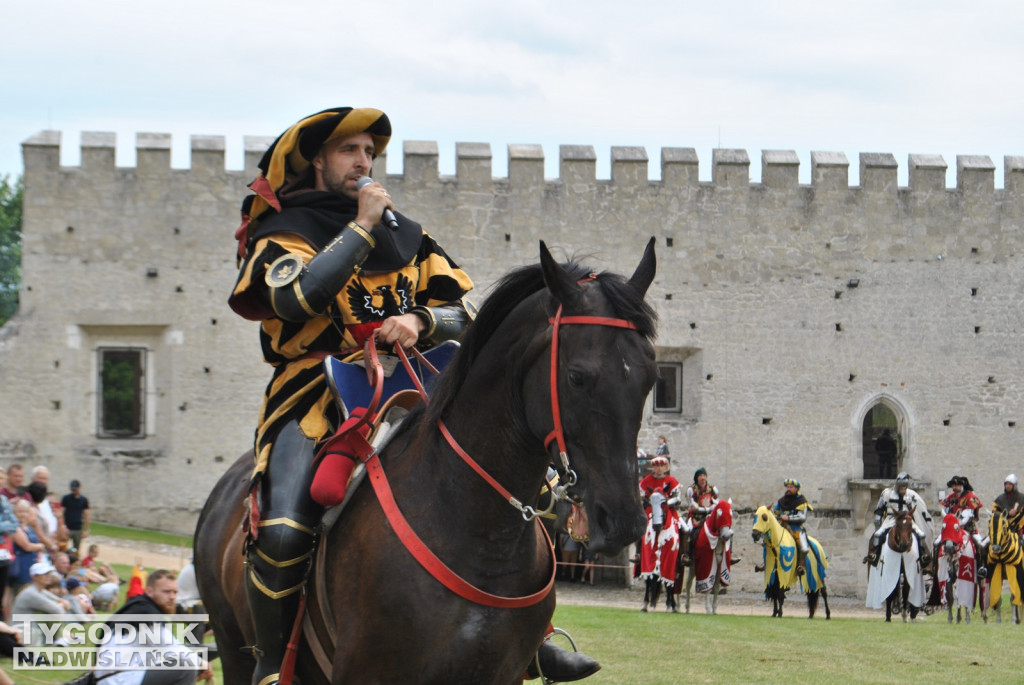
(335,184)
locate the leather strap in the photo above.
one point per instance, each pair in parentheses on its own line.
(437,568)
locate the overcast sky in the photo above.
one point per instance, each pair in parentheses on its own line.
(869,76)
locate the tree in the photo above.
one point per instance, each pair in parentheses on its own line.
(11,195)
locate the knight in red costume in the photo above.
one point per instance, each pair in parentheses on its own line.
(660,551)
(962,503)
(703,496)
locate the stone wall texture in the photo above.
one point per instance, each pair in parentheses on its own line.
(794,309)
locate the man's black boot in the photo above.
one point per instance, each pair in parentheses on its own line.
(560,665)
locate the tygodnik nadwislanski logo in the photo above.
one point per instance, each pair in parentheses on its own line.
(111,642)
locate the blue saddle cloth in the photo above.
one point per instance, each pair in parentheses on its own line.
(350,387)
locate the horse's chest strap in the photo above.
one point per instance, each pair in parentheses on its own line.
(434,566)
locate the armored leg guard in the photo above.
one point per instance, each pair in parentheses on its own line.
(802,550)
(874,550)
(278,560)
(924,550)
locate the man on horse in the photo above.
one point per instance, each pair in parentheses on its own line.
(702,496)
(964,504)
(661,494)
(791,510)
(322,267)
(1012,502)
(324,264)
(893,500)
(659,481)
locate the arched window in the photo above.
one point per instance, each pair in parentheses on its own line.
(882,442)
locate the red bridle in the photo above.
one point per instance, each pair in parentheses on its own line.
(557,434)
(415,545)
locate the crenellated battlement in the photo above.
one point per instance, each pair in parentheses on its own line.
(577,164)
(790,308)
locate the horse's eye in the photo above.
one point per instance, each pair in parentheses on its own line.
(576,378)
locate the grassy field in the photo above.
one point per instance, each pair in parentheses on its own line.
(666,649)
(660,648)
(153,536)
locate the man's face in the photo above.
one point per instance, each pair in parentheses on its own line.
(15,475)
(43,477)
(660,470)
(790,489)
(164,593)
(702,480)
(1008,487)
(958,489)
(61,563)
(901,489)
(343,161)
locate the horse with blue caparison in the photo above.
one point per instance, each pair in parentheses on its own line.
(781,572)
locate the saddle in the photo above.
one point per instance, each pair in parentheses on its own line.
(380,393)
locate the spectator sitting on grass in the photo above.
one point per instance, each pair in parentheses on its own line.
(84,575)
(104,598)
(92,563)
(78,592)
(35,598)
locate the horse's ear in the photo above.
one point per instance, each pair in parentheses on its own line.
(644,274)
(559,282)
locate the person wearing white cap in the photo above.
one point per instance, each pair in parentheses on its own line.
(34,598)
(1012,502)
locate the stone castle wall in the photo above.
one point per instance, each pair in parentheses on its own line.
(793,308)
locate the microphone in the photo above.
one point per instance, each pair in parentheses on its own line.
(387,217)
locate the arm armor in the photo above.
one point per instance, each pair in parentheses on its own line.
(299,291)
(443,323)
(883,501)
(799,516)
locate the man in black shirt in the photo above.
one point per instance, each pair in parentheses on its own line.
(76,513)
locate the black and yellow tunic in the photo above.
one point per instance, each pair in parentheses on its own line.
(410,270)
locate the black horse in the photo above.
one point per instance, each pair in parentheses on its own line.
(554,370)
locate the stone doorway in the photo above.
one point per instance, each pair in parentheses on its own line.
(881,443)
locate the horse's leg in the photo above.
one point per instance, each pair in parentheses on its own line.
(218,562)
(647,595)
(655,593)
(824,598)
(950,596)
(812,603)
(670,600)
(689,586)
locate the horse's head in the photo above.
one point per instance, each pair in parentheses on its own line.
(998,533)
(597,374)
(762,522)
(901,535)
(719,520)
(952,536)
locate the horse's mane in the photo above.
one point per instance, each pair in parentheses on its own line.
(511,291)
